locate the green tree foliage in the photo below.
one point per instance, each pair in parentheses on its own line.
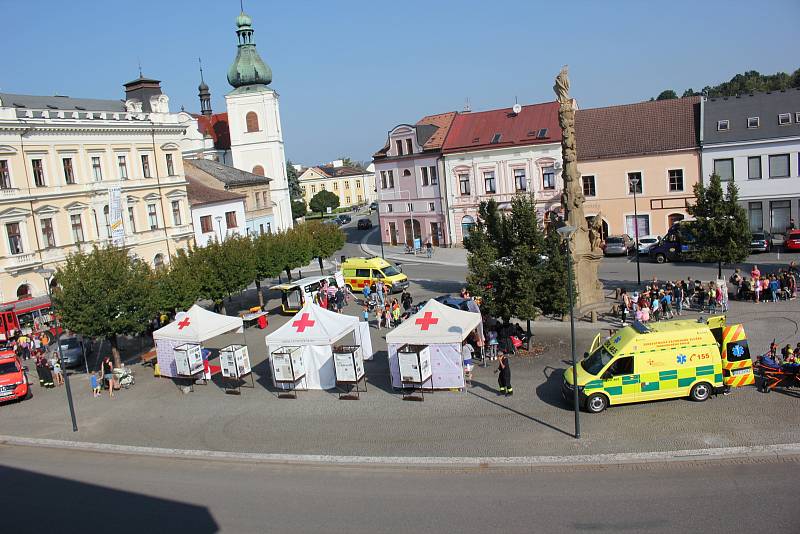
(299,208)
(324,200)
(293,249)
(669,94)
(721,228)
(325,239)
(177,286)
(294,181)
(347,162)
(225,268)
(268,263)
(748,82)
(552,280)
(105,293)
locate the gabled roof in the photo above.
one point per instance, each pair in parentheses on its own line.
(60,103)
(499,128)
(338,172)
(431,132)
(200,194)
(737,109)
(216,126)
(643,128)
(230,176)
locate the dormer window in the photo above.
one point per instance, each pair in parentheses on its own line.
(723,126)
(784,118)
(409,146)
(496,138)
(542,133)
(797,117)
(752,122)
(399,145)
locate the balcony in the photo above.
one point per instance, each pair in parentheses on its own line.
(182,230)
(20,262)
(10,192)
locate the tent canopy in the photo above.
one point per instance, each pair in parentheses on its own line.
(435,323)
(313,325)
(199,325)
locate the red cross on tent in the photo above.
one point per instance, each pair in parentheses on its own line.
(303,323)
(184,323)
(426,321)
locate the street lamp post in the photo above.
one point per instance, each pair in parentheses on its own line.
(566,232)
(219,225)
(635,183)
(47,275)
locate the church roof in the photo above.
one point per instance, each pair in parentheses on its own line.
(248,69)
(230,176)
(216,126)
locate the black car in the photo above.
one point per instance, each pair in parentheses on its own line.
(364,224)
(373,206)
(344,219)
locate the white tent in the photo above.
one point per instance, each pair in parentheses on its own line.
(316,330)
(443,329)
(195,326)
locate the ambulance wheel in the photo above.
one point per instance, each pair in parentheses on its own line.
(661,258)
(349,287)
(700,392)
(596,403)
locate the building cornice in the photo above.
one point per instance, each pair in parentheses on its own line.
(29,128)
(769,140)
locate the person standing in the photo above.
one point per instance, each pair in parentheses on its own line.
(58,376)
(677,297)
(379,291)
(44,372)
(429,249)
(405,298)
(504,375)
(107,369)
(339,300)
(624,306)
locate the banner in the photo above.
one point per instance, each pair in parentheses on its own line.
(115,216)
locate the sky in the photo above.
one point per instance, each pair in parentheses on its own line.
(348,71)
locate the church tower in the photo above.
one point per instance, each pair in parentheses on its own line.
(254,121)
(205,95)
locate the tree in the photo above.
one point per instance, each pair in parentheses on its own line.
(325,239)
(690,92)
(225,268)
(347,162)
(299,209)
(294,181)
(178,286)
(324,200)
(293,249)
(720,228)
(552,280)
(747,82)
(669,94)
(105,293)
(268,264)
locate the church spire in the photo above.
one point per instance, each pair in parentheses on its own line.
(204,93)
(248,69)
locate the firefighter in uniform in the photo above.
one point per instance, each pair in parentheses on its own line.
(504,375)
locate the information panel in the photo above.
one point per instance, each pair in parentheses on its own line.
(415,366)
(235,361)
(288,366)
(349,367)
(188,359)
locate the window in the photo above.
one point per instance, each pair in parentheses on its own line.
(463,183)
(406,172)
(152,216)
(176,212)
(643,225)
(409,147)
(467,224)
(724,169)
(14,238)
(635,183)
(251,121)
(496,138)
(784,118)
(362,273)
(5,176)
(754,168)
(170,166)
(158,261)
(346,184)
(347,200)
(399,145)
(752,122)
(336,186)
(123,167)
(258,170)
(77,228)
(432,173)
(755,214)
(674,218)
(38,172)
(360,199)
(391,179)
(389,208)
(132,219)
(230,219)
(424,176)
(779,215)
(258,200)
(69,172)
(779,166)
(205,224)
(145,165)
(383,179)
(723,125)
(589,186)
(797,117)
(97,171)
(107,219)
(322,187)
(410,207)
(48,235)
(520,180)
(358,184)
(549,178)
(488,181)
(313,189)
(675,180)
(431,206)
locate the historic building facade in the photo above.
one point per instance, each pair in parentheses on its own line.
(353,186)
(216,214)
(76,172)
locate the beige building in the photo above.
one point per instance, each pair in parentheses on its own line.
(353,186)
(75,173)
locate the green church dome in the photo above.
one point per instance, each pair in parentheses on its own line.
(248,68)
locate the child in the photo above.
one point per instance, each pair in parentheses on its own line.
(95,385)
(365,314)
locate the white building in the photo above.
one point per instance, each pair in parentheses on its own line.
(216,214)
(754,140)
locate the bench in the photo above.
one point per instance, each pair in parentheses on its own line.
(149,358)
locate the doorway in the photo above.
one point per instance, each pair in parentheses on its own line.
(411,236)
(392,234)
(435,234)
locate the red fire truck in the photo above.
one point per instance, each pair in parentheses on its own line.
(26,317)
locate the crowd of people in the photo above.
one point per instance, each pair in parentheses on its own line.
(383,312)
(763,287)
(666,300)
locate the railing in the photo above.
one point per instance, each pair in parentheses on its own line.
(182,229)
(9,192)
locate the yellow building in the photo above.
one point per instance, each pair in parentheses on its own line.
(353,186)
(75,173)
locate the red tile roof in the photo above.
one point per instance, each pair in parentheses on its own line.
(442,121)
(476,130)
(643,128)
(200,194)
(217,126)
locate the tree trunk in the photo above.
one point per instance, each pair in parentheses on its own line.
(260,295)
(530,335)
(289,274)
(319,258)
(719,270)
(115,355)
(222,307)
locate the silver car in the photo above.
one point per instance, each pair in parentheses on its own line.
(71,350)
(619,245)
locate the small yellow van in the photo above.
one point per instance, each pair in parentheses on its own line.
(359,272)
(661,360)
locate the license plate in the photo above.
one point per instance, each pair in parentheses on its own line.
(6,393)
(744,371)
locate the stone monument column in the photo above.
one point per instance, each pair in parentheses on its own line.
(586,254)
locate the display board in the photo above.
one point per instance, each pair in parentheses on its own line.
(415,365)
(349,366)
(188,359)
(288,364)
(235,361)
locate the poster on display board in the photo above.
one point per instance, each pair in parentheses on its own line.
(235,361)
(415,364)
(188,359)
(339,277)
(288,365)
(349,366)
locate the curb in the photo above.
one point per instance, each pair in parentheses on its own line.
(366,249)
(763,451)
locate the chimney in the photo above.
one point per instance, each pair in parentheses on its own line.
(142,89)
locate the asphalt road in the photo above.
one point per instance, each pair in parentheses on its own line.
(72,491)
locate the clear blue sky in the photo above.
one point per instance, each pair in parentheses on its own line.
(349,71)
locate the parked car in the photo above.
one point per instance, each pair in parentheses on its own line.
(14,383)
(619,245)
(71,351)
(343,218)
(761,242)
(364,224)
(792,241)
(646,242)
(373,206)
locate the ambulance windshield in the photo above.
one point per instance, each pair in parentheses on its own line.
(596,361)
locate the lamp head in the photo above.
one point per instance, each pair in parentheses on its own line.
(566,231)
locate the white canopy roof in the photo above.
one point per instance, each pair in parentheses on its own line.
(198,326)
(435,323)
(313,325)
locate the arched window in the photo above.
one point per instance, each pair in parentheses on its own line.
(467,224)
(259,170)
(23,292)
(673,218)
(406,173)
(108,221)
(158,261)
(251,119)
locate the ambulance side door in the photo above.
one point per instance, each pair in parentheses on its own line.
(620,380)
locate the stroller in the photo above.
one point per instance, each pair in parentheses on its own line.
(772,375)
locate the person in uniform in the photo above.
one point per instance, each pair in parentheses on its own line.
(504,375)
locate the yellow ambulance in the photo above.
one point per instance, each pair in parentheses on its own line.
(661,360)
(359,272)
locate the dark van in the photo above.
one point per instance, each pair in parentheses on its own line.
(677,245)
